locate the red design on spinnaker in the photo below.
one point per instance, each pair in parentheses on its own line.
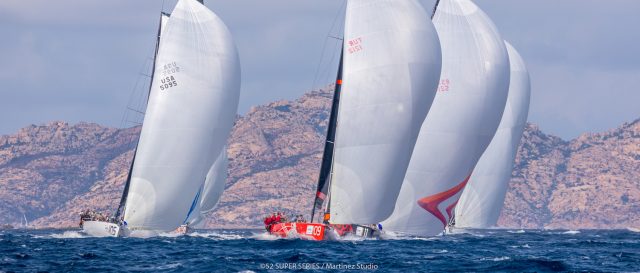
(431,203)
(450,208)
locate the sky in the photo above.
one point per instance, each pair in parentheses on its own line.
(79,60)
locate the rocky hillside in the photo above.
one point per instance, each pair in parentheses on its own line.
(592,181)
(51,172)
(42,168)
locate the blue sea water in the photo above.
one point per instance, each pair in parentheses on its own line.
(254,251)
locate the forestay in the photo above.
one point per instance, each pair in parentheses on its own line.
(192,106)
(391,67)
(463,118)
(483,198)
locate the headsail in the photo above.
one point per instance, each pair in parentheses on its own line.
(192,105)
(483,198)
(212,189)
(215,182)
(391,68)
(463,118)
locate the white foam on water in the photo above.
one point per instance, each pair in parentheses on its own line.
(169,235)
(496,259)
(571,232)
(143,234)
(390,235)
(265,236)
(219,236)
(8,260)
(633,229)
(522,246)
(516,231)
(168,266)
(64,235)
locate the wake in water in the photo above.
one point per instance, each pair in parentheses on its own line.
(63,235)
(217,235)
(390,235)
(255,250)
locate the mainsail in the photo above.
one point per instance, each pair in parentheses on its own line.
(463,118)
(483,198)
(192,105)
(391,66)
(164,18)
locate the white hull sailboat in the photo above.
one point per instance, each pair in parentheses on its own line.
(386,83)
(102,229)
(482,200)
(463,118)
(192,105)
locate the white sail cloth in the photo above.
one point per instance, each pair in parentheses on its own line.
(391,65)
(214,185)
(192,106)
(483,197)
(463,118)
(212,189)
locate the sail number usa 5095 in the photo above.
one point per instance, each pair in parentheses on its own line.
(168,79)
(168,82)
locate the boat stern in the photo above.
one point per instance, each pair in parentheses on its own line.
(101,229)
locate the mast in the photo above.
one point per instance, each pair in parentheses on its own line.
(327,157)
(125,192)
(435,8)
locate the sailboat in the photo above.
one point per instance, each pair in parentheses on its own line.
(209,196)
(463,118)
(388,74)
(25,224)
(192,104)
(483,197)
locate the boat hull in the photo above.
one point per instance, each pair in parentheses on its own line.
(101,229)
(309,231)
(355,230)
(183,230)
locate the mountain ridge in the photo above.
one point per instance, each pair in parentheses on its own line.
(51,172)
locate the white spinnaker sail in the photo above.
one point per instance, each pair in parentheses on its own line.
(214,185)
(192,105)
(391,65)
(483,197)
(463,118)
(212,189)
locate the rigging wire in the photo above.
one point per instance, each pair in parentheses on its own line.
(319,71)
(435,8)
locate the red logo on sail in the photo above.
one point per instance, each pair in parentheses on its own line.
(431,203)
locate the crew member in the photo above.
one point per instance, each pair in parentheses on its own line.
(267,222)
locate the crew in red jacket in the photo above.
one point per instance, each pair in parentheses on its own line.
(268,221)
(279,218)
